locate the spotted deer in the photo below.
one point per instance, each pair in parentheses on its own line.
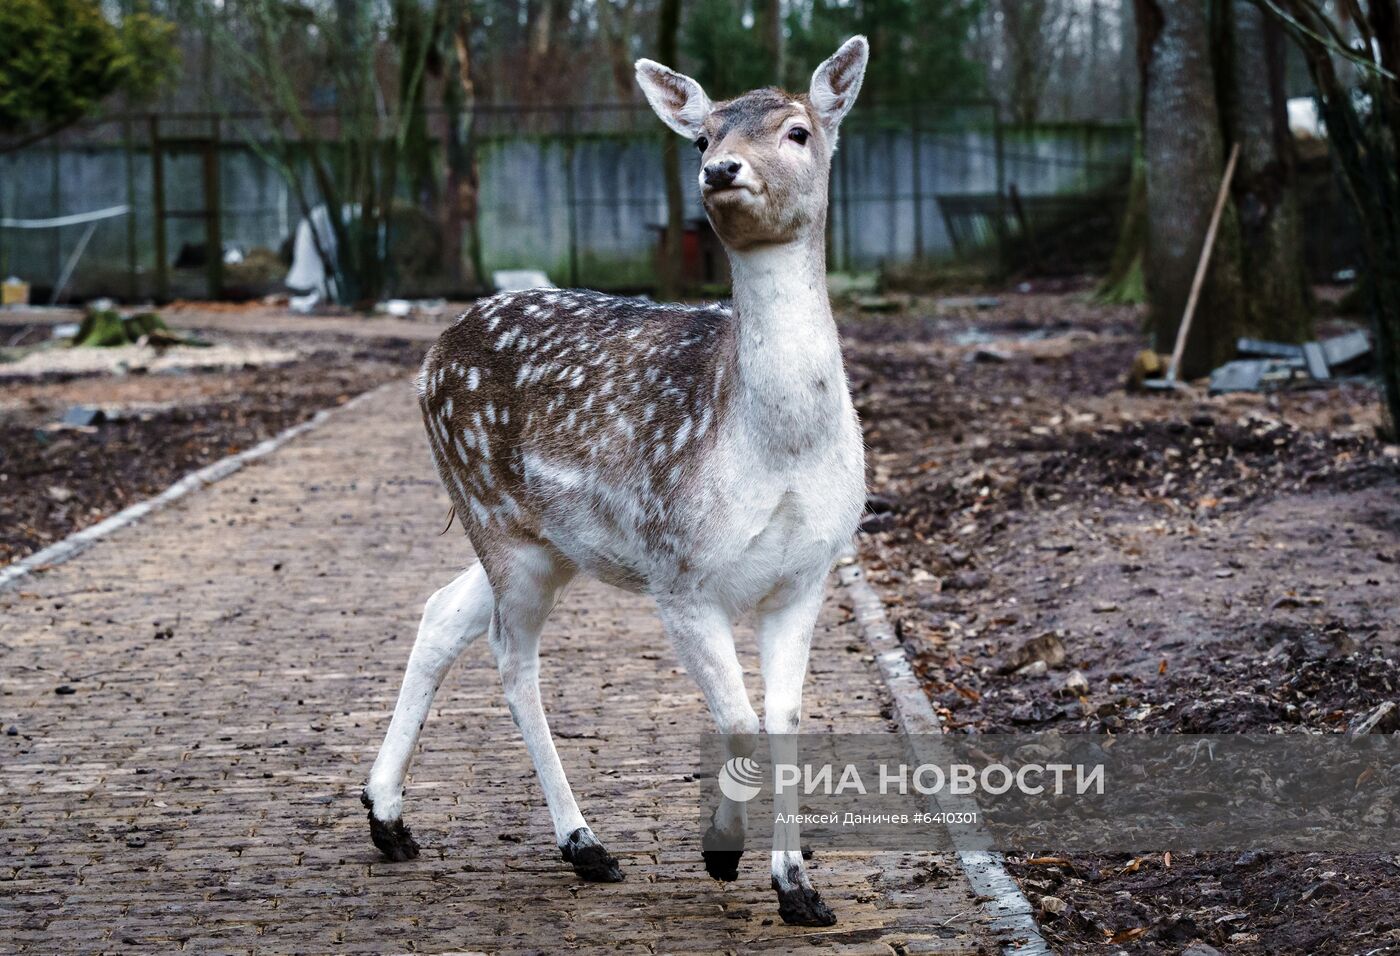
(707,457)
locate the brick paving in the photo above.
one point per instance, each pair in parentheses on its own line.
(234,660)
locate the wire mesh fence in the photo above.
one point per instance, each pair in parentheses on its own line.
(577,192)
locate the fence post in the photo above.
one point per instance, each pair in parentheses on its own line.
(56,205)
(162,291)
(917,161)
(999,138)
(569,198)
(133,287)
(213,225)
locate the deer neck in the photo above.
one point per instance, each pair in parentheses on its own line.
(791,385)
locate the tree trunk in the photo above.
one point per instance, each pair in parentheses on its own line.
(769,15)
(1254,106)
(672,262)
(615,26)
(462,245)
(1185,159)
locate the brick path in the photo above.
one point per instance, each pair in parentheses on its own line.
(234,660)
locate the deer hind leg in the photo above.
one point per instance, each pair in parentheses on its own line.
(453,618)
(704,642)
(527,578)
(784,642)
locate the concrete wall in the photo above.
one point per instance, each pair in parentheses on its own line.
(884,208)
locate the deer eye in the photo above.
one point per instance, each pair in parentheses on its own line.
(702,144)
(799,135)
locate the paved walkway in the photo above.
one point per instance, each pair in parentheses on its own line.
(233,661)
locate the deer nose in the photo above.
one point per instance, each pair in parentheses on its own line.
(722,173)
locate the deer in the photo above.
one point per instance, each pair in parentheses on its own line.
(707,457)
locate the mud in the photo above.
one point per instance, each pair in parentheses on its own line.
(1059,554)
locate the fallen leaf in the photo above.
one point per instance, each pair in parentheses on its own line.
(1128,935)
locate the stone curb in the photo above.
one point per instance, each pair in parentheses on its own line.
(1006,911)
(79,541)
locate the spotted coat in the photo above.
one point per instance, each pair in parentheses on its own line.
(574,404)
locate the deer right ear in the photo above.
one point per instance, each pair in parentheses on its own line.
(836,83)
(676,98)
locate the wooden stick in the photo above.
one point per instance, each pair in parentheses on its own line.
(1203,266)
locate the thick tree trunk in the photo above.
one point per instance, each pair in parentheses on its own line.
(669,284)
(1185,160)
(1254,105)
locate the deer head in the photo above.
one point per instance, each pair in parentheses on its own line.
(766,155)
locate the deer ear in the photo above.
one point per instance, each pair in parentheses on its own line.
(836,83)
(676,98)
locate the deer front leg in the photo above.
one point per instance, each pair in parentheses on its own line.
(704,643)
(454,617)
(784,641)
(528,579)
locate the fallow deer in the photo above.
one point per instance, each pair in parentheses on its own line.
(707,457)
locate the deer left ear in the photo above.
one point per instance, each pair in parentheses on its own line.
(836,83)
(677,99)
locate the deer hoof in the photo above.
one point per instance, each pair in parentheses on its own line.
(722,852)
(723,865)
(802,906)
(394,839)
(591,861)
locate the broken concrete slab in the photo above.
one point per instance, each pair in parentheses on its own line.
(1264,349)
(1241,375)
(81,415)
(1316,362)
(1343,349)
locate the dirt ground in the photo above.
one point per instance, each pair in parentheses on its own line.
(56,479)
(1202,565)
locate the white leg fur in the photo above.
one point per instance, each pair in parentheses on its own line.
(453,618)
(704,642)
(528,583)
(784,642)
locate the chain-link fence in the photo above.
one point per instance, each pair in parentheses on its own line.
(577,192)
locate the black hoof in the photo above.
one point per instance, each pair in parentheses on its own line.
(723,865)
(721,853)
(803,906)
(590,860)
(394,839)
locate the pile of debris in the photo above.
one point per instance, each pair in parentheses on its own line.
(1266,365)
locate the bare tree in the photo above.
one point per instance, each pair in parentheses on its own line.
(1185,152)
(1255,112)
(459,95)
(1361,55)
(616,28)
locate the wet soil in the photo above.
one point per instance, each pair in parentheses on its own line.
(56,479)
(1209,565)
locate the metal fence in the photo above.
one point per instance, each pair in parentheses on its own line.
(577,192)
